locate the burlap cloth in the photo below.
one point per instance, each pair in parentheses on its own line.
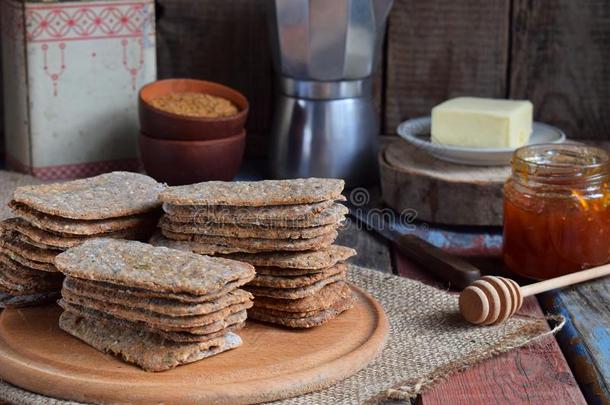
(428,341)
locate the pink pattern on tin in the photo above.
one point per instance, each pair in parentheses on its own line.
(84,21)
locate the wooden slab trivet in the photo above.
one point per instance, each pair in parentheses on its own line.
(273,362)
(440,192)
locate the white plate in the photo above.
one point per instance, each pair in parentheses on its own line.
(417,132)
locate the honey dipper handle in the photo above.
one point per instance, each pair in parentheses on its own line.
(568,279)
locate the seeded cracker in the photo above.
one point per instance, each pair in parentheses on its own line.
(308,322)
(323,299)
(220,245)
(296,281)
(237,231)
(232,323)
(147,350)
(158,321)
(255,194)
(136,264)
(42,238)
(74,227)
(298,215)
(315,260)
(293,293)
(162,306)
(109,195)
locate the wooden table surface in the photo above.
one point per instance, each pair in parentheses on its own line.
(570,368)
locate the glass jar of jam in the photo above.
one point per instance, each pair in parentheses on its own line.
(557,210)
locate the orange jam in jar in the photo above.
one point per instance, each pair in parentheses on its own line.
(557,210)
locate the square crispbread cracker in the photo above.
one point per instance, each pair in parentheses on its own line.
(41,238)
(13,278)
(22,301)
(264,280)
(293,293)
(240,231)
(137,264)
(12,266)
(235,322)
(76,227)
(255,193)
(109,195)
(109,289)
(221,244)
(31,264)
(157,305)
(294,216)
(14,242)
(197,331)
(313,259)
(148,351)
(323,299)
(315,319)
(154,319)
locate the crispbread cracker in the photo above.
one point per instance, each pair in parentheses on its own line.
(255,193)
(233,323)
(11,240)
(295,216)
(21,301)
(238,231)
(315,319)
(293,293)
(204,244)
(157,305)
(155,320)
(323,299)
(41,238)
(32,264)
(263,280)
(109,195)
(149,351)
(136,264)
(12,266)
(109,288)
(21,286)
(74,227)
(315,259)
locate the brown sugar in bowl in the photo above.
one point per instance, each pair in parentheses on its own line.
(186,162)
(160,124)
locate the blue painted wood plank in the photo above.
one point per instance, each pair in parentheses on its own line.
(585,339)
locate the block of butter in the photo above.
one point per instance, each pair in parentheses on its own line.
(482,122)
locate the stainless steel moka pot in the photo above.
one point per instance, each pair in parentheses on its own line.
(325,52)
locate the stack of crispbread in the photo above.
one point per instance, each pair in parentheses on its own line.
(152,306)
(283,227)
(54,217)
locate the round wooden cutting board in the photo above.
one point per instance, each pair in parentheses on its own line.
(273,362)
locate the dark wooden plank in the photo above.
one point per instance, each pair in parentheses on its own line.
(224,41)
(559,60)
(585,339)
(534,374)
(373,251)
(441,48)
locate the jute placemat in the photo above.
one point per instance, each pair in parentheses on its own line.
(428,340)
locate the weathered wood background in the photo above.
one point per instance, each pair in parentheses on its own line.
(553,52)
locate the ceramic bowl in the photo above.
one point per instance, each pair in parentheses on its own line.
(165,125)
(186,162)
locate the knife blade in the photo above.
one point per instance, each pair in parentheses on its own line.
(447,267)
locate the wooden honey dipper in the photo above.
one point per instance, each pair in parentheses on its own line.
(491,300)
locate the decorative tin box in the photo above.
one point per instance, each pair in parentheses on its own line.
(72,71)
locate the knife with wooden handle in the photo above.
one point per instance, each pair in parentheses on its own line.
(449,268)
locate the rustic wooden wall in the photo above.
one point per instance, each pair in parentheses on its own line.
(553,52)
